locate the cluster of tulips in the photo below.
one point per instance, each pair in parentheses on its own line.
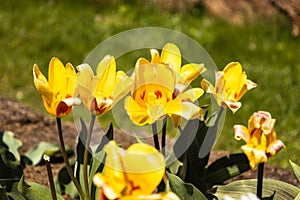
(157,89)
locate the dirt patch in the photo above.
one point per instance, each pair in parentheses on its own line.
(31,128)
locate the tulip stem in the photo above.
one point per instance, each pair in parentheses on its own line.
(155,136)
(260,174)
(66,159)
(86,155)
(163,136)
(50,176)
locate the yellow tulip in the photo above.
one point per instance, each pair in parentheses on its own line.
(100,92)
(260,138)
(154,96)
(122,176)
(160,88)
(231,84)
(57,94)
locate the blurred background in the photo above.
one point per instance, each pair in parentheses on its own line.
(261,35)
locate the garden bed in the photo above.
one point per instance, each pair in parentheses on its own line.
(32,127)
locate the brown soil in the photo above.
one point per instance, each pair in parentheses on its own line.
(31,128)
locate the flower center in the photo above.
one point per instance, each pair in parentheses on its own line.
(152,94)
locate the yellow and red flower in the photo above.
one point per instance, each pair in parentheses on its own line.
(260,138)
(100,92)
(57,94)
(122,178)
(159,88)
(230,86)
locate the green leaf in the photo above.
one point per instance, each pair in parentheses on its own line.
(296,170)
(106,138)
(10,168)
(226,167)
(80,145)
(190,141)
(3,193)
(36,153)
(237,188)
(12,144)
(33,191)
(184,190)
(63,182)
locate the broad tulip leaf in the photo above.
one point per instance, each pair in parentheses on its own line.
(33,191)
(184,190)
(36,153)
(296,169)
(235,189)
(226,167)
(63,182)
(8,140)
(10,168)
(193,168)
(80,148)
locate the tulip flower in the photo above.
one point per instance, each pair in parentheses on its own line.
(154,96)
(136,171)
(100,92)
(57,94)
(160,88)
(260,138)
(230,86)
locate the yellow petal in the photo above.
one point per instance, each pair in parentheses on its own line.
(147,175)
(42,85)
(57,77)
(186,110)
(232,105)
(154,56)
(274,147)
(235,80)
(248,86)
(154,73)
(191,71)
(241,132)
(113,170)
(137,114)
(84,85)
(100,181)
(171,55)
(208,87)
(106,72)
(123,86)
(70,75)
(191,95)
(159,196)
(255,155)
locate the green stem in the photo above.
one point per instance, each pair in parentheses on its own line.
(163,136)
(86,155)
(260,176)
(155,136)
(50,176)
(66,159)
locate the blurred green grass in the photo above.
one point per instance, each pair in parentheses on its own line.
(34,31)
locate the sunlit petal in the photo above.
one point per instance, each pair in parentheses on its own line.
(57,77)
(191,95)
(191,71)
(107,77)
(241,132)
(255,155)
(137,114)
(171,55)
